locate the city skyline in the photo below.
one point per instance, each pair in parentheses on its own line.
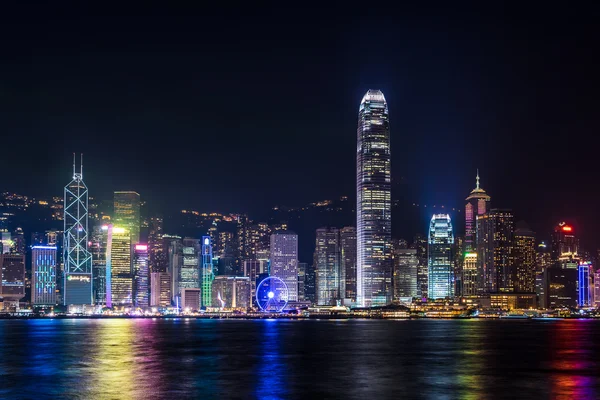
(443,86)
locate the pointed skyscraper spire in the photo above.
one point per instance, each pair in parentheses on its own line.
(73,164)
(477,179)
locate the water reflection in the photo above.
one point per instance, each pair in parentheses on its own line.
(574,368)
(272,369)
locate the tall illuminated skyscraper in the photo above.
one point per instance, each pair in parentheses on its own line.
(76,257)
(141,275)
(189,271)
(523,259)
(43,276)
(284,260)
(12,279)
(121,277)
(373,202)
(584,285)
(441,268)
(327,265)
(494,243)
(127,213)
(208,274)
(478,203)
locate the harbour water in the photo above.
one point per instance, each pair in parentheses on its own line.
(316,359)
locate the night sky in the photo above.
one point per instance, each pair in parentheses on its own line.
(214,110)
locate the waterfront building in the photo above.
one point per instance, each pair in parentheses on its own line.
(478,203)
(441,269)
(373,202)
(231,292)
(77,287)
(301,280)
(175,259)
(327,265)
(561,285)
(157,252)
(43,267)
(127,213)
(160,289)
(208,274)
(584,285)
(141,275)
(252,269)
(98,248)
(420,244)
(284,260)
(189,271)
(523,259)
(406,265)
(120,282)
(494,242)
(511,301)
(597,289)
(565,244)
(190,299)
(348,264)
(469,275)
(12,279)
(310,289)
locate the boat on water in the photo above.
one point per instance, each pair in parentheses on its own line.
(516,316)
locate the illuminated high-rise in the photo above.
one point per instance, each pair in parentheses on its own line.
(469,275)
(160,289)
(478,203)
(327,265)
(523,259)
(77,287)
(140,275)
(565,246)
(284,260)
(373,202)
(121,277)
(440,265)
(43,275)
(584,285)
(189,271)
(348,264)
(12,278)
(406,264)
(494,243)
(98,248)
(208,274)
(127,213)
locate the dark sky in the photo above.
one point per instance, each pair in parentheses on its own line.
(216,110)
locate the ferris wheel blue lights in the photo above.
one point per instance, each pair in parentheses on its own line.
(272,294)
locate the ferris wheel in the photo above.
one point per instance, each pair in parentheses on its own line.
(272,294)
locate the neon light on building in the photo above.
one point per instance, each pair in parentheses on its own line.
(584,285)
(207,272)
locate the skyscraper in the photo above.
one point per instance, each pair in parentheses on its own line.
(406,264)
(157,252)
(565,245)
(208,274)
(584,285)
(327,265)
(348,264)
(441,268)
(523,258)
(121,277)
(284,260)
(98,249)
(420,244)
(43,266)
(478,203)
(373,202)
(160,289)
(127,213)
(494,242)
(12,278)
(141,275)
(175,259)
(76,257)
(469,275)
(189,272)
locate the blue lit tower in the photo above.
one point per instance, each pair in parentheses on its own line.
(77,258)
(207,272)
(440,265)
(43,275)
(584,285)
(373,202)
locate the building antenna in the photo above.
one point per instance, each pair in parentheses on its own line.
(477,179)
(81,166)
(73,164)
